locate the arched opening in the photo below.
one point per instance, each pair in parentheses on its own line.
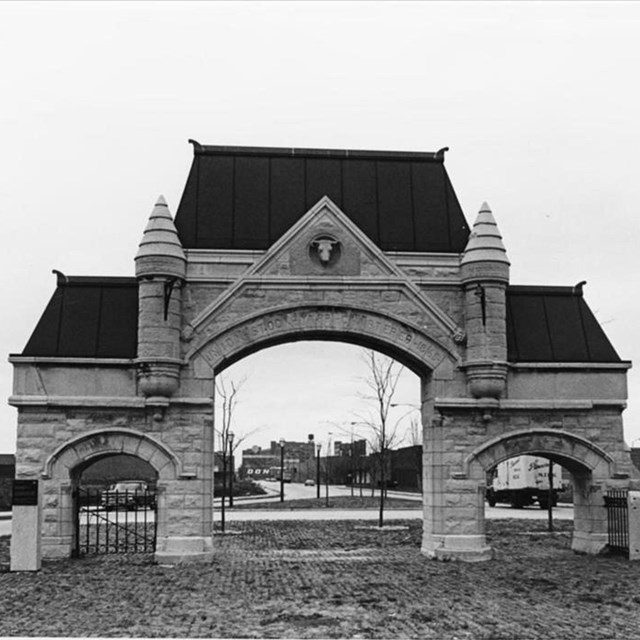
(115,505)
(112,468)
(589,469)
(104,493)
(304,428)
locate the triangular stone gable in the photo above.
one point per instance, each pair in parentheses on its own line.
(296,254)
(295,259)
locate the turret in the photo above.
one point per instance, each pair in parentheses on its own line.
(485,276)
(160,270)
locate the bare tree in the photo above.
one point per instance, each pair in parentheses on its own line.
(381,382)
(228,439)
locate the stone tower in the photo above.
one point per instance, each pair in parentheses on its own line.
(485,276)
(160,271)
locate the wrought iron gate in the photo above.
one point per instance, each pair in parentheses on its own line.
(115,521)
(616,501)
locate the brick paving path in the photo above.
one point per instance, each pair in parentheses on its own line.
(334,580)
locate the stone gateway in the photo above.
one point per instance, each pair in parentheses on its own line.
(275,245)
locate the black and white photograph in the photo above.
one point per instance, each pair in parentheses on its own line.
(320,319)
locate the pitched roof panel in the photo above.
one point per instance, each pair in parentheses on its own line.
(553,324)
(88,318)
(247,197)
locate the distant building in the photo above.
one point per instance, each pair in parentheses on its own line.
(7,474)
(357,448)
(110,470)
(260,464)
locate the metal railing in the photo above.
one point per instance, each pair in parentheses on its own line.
(110,522)
(616,502)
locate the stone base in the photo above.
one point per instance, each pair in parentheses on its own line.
(590,543)
(25,539)
(56,547)
(472,548)
(184,550)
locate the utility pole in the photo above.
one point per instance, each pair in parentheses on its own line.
(232,468)
(281,469)
(550,498)
(318,447)
(224,487)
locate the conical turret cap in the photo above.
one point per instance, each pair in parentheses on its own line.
(160,251)
(485,242)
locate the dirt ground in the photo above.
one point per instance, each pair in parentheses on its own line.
(326,579)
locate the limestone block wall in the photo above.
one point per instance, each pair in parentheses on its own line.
(464,430)
(591,381)
(250,301)
(588,443)
(186,431)
(86,377)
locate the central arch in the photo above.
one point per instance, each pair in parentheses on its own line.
(399,338)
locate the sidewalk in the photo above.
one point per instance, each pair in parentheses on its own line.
(273,495)
(317,514)
(563,512)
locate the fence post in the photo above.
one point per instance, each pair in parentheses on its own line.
(634,525)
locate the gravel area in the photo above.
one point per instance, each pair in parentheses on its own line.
(326,579)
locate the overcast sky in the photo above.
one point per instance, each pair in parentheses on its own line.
(538,103)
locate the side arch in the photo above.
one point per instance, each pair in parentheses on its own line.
(96,444)
(573,452)
(398,337)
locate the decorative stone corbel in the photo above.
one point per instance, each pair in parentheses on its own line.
(486,379)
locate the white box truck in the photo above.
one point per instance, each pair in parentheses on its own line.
(523,480)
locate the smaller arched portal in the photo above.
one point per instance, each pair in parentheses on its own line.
(63,472)
(592,471)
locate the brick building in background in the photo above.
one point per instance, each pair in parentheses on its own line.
(7,474)
(264,463)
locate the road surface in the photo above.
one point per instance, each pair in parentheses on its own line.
(298,491)
(561,512)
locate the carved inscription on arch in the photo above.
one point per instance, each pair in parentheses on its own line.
(333,320)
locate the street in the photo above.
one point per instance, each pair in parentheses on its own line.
(299,491)
(295,491)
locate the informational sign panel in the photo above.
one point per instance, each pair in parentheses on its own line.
(25,493)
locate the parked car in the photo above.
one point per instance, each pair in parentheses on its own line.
(128,494)
(309,482)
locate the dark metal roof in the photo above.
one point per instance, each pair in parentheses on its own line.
(554,324)
(88,318)
(98,318)
(247,197)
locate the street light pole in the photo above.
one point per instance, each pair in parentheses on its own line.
(351,462)
(231,435)
(326,472)
(281,469)
(318,447)
(224,487)
(550,498)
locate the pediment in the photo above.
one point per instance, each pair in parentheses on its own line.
(323,243)
(325,255)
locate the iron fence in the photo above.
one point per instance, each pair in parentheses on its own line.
(616,502)
(110,522)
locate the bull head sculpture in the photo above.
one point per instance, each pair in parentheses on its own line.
(324,247)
